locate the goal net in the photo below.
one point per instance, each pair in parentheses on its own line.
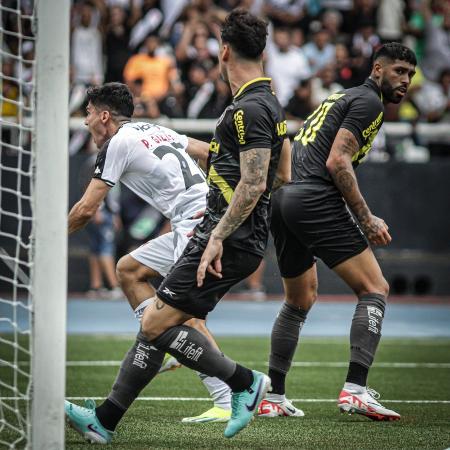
(34,54)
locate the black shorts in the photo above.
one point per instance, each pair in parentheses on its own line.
(312,220)
(179,289)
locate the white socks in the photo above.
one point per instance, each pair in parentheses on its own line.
(139,311)
(354,388)
(219,391)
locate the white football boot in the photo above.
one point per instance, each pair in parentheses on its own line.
(364,401)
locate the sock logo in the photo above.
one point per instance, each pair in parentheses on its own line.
(141,355)
(375,316)
(190,351)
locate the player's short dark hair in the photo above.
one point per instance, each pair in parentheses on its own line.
(393,51)
(245,33)
(115,97)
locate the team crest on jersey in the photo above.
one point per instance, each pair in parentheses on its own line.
(239,124)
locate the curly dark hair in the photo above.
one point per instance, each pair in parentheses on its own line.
(115,97)
(393,51)
(245,33)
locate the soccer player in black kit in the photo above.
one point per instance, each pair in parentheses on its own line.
(311,218)
(249,155)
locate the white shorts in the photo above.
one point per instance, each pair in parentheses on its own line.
(162,252)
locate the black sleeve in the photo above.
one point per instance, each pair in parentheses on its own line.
(253,126)
(363,114)
(100,164)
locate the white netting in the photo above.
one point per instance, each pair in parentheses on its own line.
(17,44)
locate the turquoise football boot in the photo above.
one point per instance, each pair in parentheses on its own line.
(85,422)
(244,404)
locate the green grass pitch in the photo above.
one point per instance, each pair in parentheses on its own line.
(155,424)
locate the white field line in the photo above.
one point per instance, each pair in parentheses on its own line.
(206,399)
(387,365)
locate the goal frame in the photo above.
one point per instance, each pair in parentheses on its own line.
(50,204)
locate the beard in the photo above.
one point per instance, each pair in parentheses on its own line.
(390,93)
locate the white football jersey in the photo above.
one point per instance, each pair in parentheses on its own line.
(152,161)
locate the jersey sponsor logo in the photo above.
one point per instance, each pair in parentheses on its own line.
(189,350)
(167,291)
(373,126)
(221,183)
(282,128)
(239,124)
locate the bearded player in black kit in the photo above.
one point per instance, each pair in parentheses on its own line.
(311,219)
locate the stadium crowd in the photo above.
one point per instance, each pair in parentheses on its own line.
(166,51)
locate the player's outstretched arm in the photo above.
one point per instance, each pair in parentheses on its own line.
(254,167)
(283,174)
(339,164)
(85,209)
(198,150)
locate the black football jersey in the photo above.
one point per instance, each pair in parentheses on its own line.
(359,110)
(255,119)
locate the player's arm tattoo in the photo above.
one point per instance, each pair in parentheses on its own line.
(339,164)
(277,183)
(254,167)
(159,304)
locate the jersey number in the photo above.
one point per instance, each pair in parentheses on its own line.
(189,178)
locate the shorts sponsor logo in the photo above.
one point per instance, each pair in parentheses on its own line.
(167,291)
(141,355)
(97,170)
(375,316)
(188,349)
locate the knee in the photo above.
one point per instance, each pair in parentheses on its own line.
(380,286)
(150,328)
(304,298)
(125,271)
(198,324)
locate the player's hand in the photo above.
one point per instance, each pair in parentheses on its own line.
(197,215)
(376,231)
(210,260)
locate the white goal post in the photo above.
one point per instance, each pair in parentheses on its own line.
(34,131)
(50,225)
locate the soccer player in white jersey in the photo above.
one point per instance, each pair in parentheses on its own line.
(154,163)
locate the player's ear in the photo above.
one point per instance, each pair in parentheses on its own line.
(104,116)
(377,69)
(225,54)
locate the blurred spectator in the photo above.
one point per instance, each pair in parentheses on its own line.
(158,72)
(319,51)
(196,45)
(117,37)
(143,107)
(348,74)
(391,19)
(432,100)
(332,21)
(364,11)
(282,54)
(285,12)
(365,41)
(148,18)
(86,49)
(102,238)
(324,85)
(437,41)
(300,105)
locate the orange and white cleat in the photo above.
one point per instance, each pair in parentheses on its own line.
(365,402)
